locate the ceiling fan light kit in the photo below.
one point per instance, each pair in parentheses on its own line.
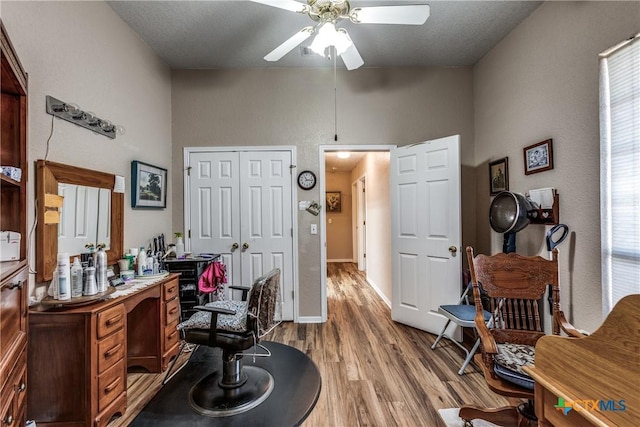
(328,13)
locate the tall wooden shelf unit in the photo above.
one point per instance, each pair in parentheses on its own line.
(13,217)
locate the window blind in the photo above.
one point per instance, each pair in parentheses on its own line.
(620,171)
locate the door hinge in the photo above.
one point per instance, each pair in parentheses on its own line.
(292,294)
(189,234)
(364,255)
(292,232)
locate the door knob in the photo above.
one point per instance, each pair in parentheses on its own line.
(234,247)
(453,249)
(245,246)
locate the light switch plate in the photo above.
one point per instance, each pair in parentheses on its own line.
(314,228)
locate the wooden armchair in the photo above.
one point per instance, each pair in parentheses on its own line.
(513,286)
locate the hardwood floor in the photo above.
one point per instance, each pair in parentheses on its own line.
(375,372)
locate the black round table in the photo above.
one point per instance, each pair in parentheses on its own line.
(295,393)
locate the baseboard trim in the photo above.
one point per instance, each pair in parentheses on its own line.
(340,260)
(310,319)
(378,291)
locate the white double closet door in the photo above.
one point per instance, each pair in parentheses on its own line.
(240,206)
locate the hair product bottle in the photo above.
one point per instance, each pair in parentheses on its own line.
(64,279)
(90,287)
(101,270)
(76,278)
(142,261)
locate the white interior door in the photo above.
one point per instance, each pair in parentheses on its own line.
(425,231)
(214,199)
(265,215)
(241,208)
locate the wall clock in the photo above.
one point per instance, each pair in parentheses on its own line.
(306,180)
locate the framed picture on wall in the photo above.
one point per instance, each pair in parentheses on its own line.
(334,201)
(148,186)
(499,175)
(538,157)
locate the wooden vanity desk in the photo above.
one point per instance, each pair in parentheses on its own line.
(598,375)
(78,356)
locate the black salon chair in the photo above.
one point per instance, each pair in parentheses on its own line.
(235,326)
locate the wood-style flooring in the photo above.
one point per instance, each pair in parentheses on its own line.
(375,372)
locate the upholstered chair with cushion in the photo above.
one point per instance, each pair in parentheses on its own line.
(235,326)
(514,286)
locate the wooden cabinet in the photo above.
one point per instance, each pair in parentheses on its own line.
(13,217)
(79,356)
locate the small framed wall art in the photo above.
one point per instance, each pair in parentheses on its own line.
(499,175)
(538,157)
(148,186)
(334,201)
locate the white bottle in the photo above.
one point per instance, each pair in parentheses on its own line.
(179,247)
(142,261)
(76,278)
(64,279)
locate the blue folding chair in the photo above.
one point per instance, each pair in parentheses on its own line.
(462,314)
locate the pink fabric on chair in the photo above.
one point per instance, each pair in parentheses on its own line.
(213,278)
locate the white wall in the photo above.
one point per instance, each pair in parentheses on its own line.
(541,82)
(82,52)
(296,106)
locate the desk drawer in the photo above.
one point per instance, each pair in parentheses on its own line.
(111,320)
(110,350)
(172,311)
(170,290)
(171,335)
(111,384)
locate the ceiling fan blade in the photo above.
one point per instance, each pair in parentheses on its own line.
(290,5)
(289,44)
(351,58)
(408,15)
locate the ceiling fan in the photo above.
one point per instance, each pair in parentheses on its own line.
(328,13)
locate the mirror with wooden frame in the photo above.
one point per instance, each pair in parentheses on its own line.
(48,177)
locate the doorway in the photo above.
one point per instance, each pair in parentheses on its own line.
(359,233)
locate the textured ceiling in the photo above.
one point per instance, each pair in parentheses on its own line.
(238,34)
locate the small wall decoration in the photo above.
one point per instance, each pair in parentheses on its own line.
(538,157)
(499,175)
(148,186)
(334,202)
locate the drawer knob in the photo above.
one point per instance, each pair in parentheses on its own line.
(22,387)
(112,351)
(114,320)
(108,389)
(9,420)
(17,285)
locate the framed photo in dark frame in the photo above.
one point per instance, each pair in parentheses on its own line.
(148,186)
(538,157)
(499,175)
